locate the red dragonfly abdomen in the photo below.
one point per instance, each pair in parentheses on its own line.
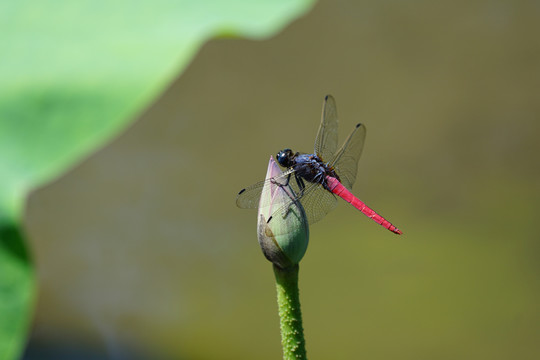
(335,186)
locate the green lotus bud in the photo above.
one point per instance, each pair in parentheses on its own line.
(282,226)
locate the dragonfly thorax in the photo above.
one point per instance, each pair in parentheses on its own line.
(312,168)
(309,167)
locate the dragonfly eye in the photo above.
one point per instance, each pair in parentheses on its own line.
(284,157)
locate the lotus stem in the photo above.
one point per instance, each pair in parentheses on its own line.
(290,316)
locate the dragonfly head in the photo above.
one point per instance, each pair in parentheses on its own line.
(285,158)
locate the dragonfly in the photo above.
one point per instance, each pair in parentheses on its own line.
(318,179)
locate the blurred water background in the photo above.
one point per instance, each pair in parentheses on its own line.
(142,253)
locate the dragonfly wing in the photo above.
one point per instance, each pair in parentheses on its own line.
(317,202)
(345,161)
(248,198)
(326,141)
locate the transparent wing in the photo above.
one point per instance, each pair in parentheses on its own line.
(326,141)
(248,198)
(317,202)
(345,161)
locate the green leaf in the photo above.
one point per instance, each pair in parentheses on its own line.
(73,74)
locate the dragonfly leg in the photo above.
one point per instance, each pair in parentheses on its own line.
(292,198)
(302,187)
(280,184)
(320,178)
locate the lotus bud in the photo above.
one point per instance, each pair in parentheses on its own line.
(282,226)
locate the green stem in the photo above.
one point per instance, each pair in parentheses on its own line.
(290,317)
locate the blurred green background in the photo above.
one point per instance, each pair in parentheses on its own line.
(142,253)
